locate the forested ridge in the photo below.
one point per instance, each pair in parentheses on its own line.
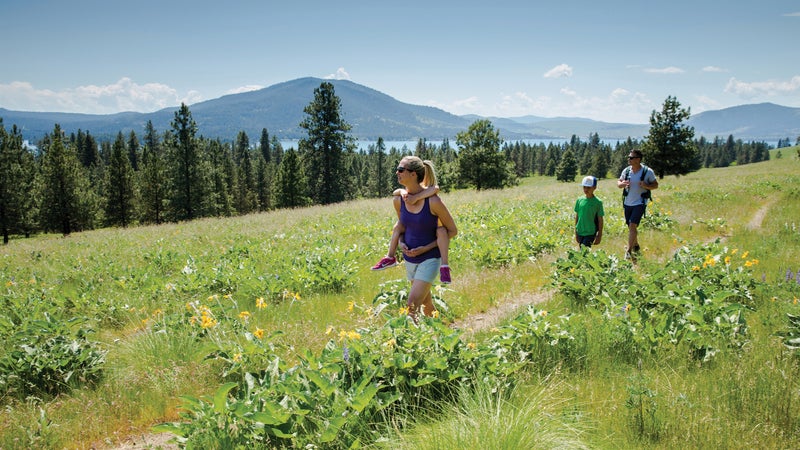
(74,182)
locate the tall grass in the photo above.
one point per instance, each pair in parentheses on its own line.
(133,286)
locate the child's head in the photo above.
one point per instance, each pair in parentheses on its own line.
(589,184)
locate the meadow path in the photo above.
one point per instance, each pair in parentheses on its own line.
(471,324)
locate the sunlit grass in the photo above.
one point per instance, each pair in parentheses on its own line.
(124,276)
(534,417)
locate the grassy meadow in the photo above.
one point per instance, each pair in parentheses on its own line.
(113,331)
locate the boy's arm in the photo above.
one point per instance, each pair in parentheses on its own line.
(599,236)
(429,191)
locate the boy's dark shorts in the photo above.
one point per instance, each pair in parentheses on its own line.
(585,240)
(634,214)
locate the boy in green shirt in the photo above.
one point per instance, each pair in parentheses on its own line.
(589,215)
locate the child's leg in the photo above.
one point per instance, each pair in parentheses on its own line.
(397,230)
(443,242)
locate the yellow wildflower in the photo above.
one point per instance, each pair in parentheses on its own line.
(543,313)
(353,335)
(350,306)
(237,357)
(727,260)
(208,322)
(472,346)
(403,311)
(744,255)
(158,312)
(390,343)
(244,315)
(259,333)
(695,268)
(733,252)
(260,303)
(329,329)
(435,314)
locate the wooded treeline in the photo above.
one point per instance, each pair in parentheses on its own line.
(73,182)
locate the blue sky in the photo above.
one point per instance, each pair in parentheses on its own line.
(614,61)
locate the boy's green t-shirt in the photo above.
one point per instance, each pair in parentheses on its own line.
(587,209)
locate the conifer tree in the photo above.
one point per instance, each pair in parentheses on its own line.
(120,190)
(669,147)
(323,150)
(263,146)
(264,176)
(67,204)
(17,170)
(220,171)
(153,178)
(568,167)
(133,151)
(480,160)
(290,182)
(186,193)
(246,197)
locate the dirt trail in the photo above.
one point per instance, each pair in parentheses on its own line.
(758,217)
(495,315)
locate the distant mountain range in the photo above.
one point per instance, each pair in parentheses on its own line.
(372,114)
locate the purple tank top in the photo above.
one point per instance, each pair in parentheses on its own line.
(420,230)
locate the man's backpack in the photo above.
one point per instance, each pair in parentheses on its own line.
(646,195)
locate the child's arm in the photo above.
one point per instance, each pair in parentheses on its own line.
(429,191)
(599,236)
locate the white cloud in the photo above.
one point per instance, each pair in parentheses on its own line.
(247,88)
(713,69)
(665,70)
(559,71)
(124,95)
(794,14)
(340,74)
(763,88)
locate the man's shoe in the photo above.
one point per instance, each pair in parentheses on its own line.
(444,274)
(636,248)
(385,263)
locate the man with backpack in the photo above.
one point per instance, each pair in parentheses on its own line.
(636,182)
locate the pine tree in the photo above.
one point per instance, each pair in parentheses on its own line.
(120,190)
(568,167)
(263,145)
(17,170)
(669,147)
(290,182)
(323,149)
(187,178)
(153,178)
(65,189)
(246,196)
(480,160)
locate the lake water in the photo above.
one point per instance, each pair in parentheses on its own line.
(411,145)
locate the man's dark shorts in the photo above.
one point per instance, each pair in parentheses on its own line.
(585,240)
(634,214)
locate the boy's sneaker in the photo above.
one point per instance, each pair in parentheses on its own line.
(444,274)
(385,263)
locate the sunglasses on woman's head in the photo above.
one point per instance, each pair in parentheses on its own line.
(402,169)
